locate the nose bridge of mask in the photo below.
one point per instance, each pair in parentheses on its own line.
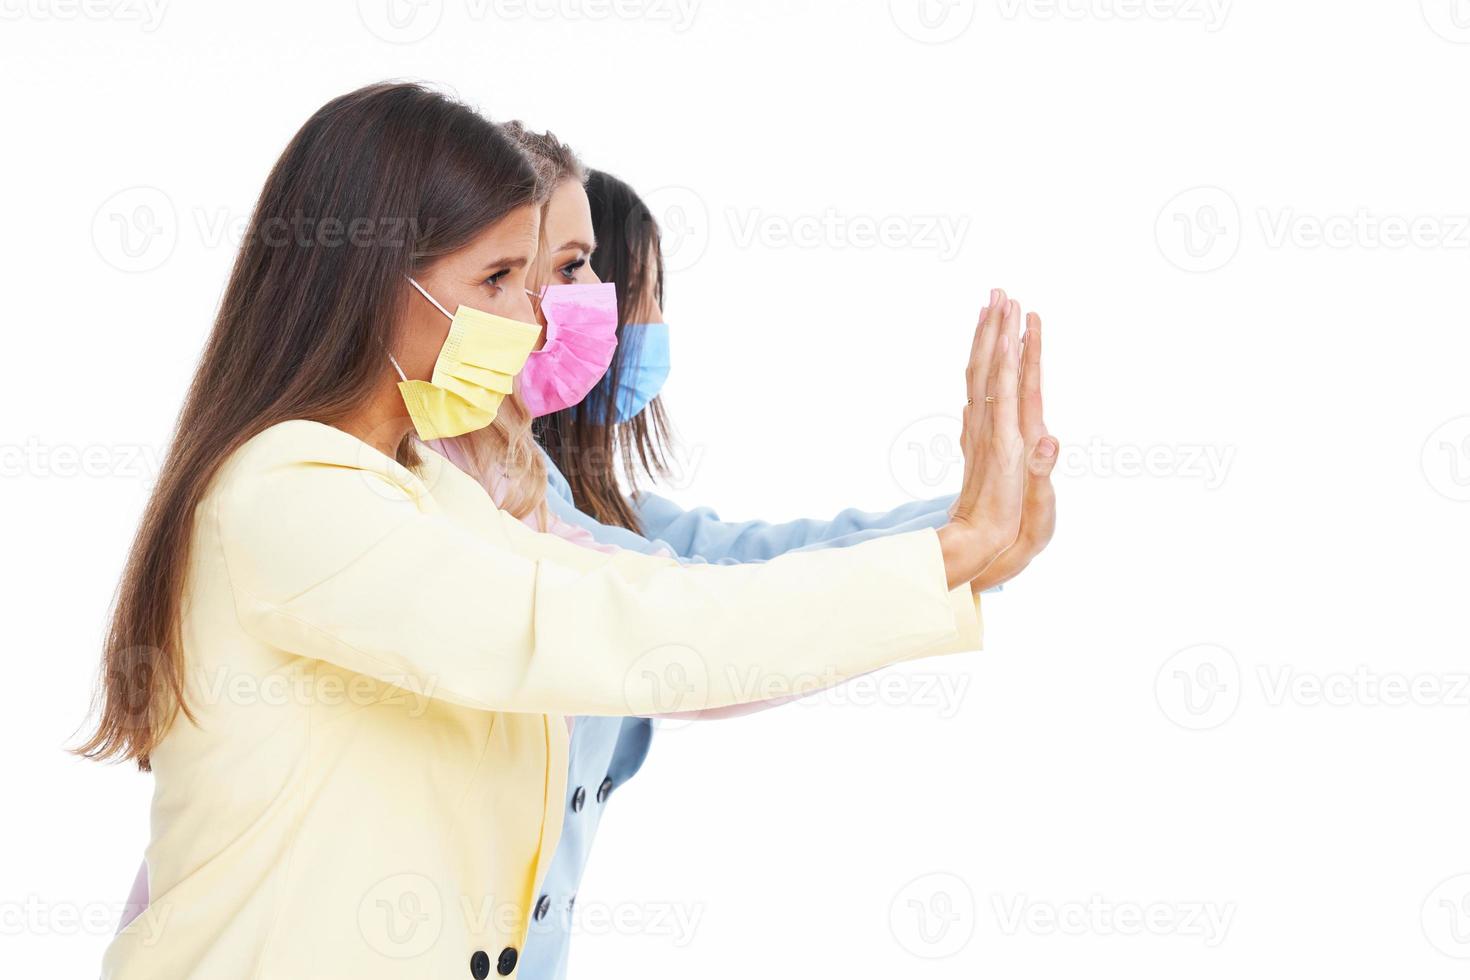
(474,372)
(587,306)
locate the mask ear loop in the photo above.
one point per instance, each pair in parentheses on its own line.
(538,296)
(425,294)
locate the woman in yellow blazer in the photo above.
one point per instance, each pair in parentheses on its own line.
(346,667)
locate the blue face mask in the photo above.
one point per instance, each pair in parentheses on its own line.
(643,358)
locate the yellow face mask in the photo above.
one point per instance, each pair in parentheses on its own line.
(476,366)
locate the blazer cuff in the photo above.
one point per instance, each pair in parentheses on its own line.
(964,606)
(967,619)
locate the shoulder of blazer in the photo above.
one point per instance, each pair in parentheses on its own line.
(302,442)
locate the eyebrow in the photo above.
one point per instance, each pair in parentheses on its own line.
(506,263)
(583,246)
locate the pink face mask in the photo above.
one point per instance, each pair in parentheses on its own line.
(581,335)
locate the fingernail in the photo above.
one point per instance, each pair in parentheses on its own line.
(985,312)
(994,295)
(1047,449)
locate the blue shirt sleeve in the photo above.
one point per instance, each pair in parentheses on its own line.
(604,533)
(700,532)
(700,536)
(559,500)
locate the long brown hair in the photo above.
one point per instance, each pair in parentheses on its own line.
(374,187)
(587,442)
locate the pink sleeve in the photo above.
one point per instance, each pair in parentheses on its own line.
(494,484)
(137,898)
(751,707)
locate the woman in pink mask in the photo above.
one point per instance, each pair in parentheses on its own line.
(579,321)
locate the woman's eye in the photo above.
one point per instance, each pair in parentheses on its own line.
(493,281)
(570,270)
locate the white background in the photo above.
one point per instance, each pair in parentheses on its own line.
(1266,432)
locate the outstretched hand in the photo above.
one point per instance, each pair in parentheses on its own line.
(1039,504)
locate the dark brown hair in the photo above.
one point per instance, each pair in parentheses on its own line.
(375,186)
(586,441)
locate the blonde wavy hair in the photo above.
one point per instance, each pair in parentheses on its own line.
(555,162)
(505,456)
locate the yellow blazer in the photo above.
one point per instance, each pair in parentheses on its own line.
(379,661)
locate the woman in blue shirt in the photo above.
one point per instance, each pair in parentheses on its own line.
(599,230)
